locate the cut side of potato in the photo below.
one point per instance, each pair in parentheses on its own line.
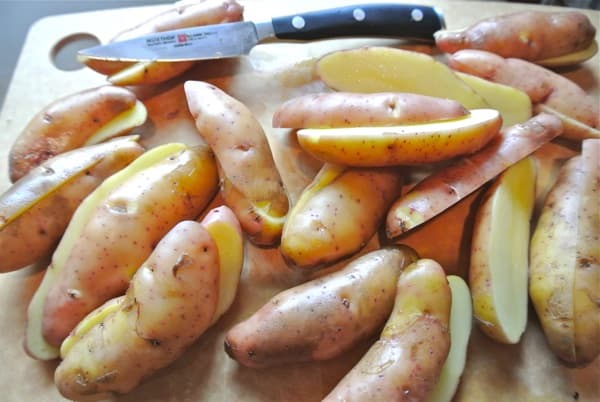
(573,129)
(402,145)
(122,123)
(572,58)
(499,267)
(380,69)
(461,313)
(514,105)
(223,226)
(147,73)
(89,322)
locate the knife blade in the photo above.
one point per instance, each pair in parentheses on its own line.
(406,21)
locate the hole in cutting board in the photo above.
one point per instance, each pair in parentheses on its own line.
(64,53)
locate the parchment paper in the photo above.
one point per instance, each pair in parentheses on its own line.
(271,74)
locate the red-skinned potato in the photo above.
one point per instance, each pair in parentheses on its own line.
(170,302)
(73,121)
(35,211)
(349,109)
(406,361)
(112,232)
(250,182)
(542,85)
(183,14)
(323,318)
(529,35)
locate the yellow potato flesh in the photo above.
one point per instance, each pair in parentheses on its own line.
(499,265)
(90,321)
(152,72)
(402,145)
(514,105)
(380,69)
(460,330)
(572,58)
(573,129)
(124,122)
(230,246)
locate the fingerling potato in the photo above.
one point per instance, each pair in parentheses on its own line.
(170,302)
(528,35)
(112,232)
(86,117)
(450,184)
(405,363)
(35,211)
(250,182)
(403,144)
(183,14)
(542,85)
(565,260)
(337,214)
(349,109)
(322,318)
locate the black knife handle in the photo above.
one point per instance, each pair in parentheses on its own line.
(386,19)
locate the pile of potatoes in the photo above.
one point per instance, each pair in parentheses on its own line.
(141,267)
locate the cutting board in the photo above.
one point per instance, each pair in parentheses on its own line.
(272,73)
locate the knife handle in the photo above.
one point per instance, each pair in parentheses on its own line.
(386,19)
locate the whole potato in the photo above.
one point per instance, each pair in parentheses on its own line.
(323,318)
(250,182)
(528,35)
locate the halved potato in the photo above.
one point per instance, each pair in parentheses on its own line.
(461,314)
(337,214)
(570,59)
(382,69)
(224,227)
(404,144)
(82,118)
(514,105)
(35,211)
(499,267)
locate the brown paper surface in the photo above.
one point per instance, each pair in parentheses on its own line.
(271,74)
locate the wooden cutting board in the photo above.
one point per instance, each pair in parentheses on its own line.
(272,73)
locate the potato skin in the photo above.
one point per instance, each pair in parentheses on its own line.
(122,231)
(169,304)
(319,231)
(528,35)
(34,233)
(446,187)
(405,363)
(541,84)
(66,124)
(565,262)
(250,182)
(323,318)
(348,109)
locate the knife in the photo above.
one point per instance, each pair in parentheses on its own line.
(406,21)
